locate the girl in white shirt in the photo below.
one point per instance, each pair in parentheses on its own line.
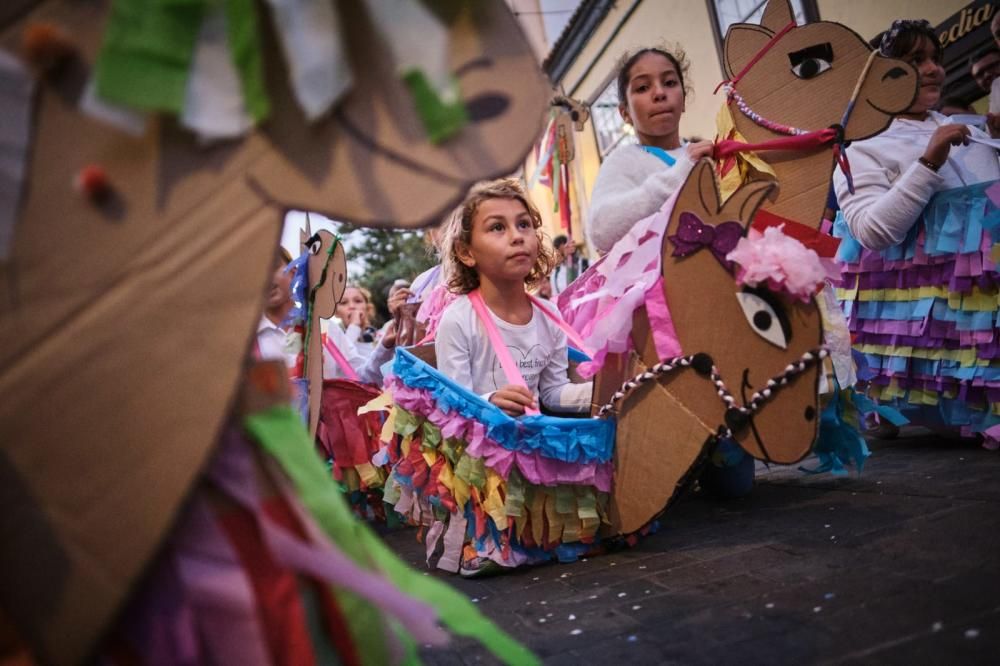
(917,254)
(494,248)
(635,181)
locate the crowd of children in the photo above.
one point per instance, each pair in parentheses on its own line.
(919,284)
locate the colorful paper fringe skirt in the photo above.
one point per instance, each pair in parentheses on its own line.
(266,565)
(519,490)
(924,313)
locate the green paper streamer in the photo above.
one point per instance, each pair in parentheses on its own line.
(586,504)
(514,504)
(565,499)
(441,119)
(472,471)
(405,423)
(452,449)
(431,436)
(245,48)
(147,53)
(281,433)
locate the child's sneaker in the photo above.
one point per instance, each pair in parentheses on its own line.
(478,567)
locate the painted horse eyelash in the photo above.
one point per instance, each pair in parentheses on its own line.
(822,51)
(776,305)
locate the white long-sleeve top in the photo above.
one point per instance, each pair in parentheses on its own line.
(465,355)
(631,185)
(367,366)
(891,188)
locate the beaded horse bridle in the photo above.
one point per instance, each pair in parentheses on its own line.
(737,416)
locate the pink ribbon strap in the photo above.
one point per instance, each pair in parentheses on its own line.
(571,334)
(499,346)
(341,360)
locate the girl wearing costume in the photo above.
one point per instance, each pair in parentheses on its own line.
(920,284)
(498,483)
(346,440)
(635,181)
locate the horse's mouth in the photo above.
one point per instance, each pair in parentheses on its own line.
(744,385)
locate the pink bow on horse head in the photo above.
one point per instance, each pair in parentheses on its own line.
(693,234)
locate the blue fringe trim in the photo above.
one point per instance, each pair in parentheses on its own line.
(932,368)
(954,222)
(839,444)
(575,440)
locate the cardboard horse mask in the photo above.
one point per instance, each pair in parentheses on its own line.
(326,282)
(124,328)
(759,347)
(808,78)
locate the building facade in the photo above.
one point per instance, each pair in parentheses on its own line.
(582,63)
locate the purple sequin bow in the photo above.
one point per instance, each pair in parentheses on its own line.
(693,234)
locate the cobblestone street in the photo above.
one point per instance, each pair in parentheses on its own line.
(898,565)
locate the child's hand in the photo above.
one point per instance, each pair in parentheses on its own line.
(993,124)
(943,139)
(700,149)
(389,338)
(513,399)
(397,299)
(357,318)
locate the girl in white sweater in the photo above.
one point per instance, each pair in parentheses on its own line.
(635,181)
(920,285)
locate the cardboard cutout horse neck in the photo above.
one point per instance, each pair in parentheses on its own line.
(749,336)
(327,282)
(806,78)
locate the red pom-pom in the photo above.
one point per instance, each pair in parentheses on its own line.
(92,182)
(46,46)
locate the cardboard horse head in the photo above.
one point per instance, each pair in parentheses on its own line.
(326,283)
(125,325)
(749,336)
(805,79)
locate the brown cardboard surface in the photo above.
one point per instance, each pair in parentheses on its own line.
(659,440)
(123,333)
(327,284)
(371,164)
(125,326)
(771,89)
(663,426)
(701,295)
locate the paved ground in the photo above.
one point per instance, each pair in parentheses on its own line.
(898,566)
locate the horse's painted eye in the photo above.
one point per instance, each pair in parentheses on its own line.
(810,68)
(314,245)
(763,319)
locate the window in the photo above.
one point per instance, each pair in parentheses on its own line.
(609,127)
(727,12)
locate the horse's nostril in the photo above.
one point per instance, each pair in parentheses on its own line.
(810,413)
(894,73)
(736,420)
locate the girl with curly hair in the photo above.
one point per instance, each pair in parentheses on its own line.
(494,251)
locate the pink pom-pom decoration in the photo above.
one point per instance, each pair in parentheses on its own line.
(780,262)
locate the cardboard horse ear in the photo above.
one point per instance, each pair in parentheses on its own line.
(125,324)
(371,165)
(806,80)
(681,411)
